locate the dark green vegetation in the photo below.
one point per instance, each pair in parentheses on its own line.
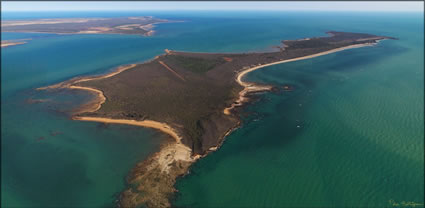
(189,91)
(124,25)
(336,39)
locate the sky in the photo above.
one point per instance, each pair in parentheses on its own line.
(214,5)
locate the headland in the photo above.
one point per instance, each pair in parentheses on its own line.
(194,98)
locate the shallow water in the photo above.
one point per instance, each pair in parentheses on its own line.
(359,140)
(349,134)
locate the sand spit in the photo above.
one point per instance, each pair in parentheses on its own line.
(156,176)
(252,87)
(7,43)
(69,83)
(145,123)
(3,45)
(117,71)
(168,154)
(150,27)
(99,100)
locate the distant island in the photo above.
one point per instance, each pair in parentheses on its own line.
(120,25)
(193,97)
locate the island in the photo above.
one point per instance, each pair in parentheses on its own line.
(119,25)
(193,97)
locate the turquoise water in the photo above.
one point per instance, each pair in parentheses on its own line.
(349,135)
(359,140)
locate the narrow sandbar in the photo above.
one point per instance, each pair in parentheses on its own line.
(5,44)
(145,123)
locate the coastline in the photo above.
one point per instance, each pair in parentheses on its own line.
(148,27)
(174,158)
(71,82)
(87,32)
(178,151)
(99,100)
(145,123)
(5,44)
(117,71)
(250,87)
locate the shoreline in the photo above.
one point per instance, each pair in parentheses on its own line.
(180,151)
(250,87)
(87,32)
(163,127)
(113,73)
(148,27)
(69,83)
(100,99)
(174,158)
(8,43)
(4,45)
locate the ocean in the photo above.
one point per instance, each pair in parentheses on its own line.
(349,134)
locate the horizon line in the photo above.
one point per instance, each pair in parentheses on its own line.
(286,10)
(342,6)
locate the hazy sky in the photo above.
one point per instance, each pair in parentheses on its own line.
(217,5)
